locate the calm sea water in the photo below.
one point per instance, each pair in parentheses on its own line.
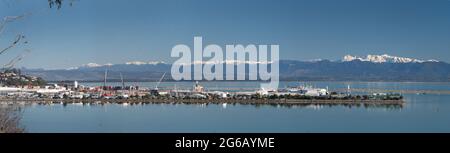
(421,113)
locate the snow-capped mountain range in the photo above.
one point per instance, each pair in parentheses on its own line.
(94,65)
(385,58)
(350,68)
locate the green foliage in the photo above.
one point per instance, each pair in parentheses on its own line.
(13,77)
(52,3)
(16,71)
(58,3)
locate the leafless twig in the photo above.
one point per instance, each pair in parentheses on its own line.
(9,19)
(14,43)
(10,117)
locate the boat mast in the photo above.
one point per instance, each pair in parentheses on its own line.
(123,83)
(176,90)
(104,79)
(348,90)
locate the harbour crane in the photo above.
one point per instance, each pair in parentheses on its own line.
(155,91)
(160,80)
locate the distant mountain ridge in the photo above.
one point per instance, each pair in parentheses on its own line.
(350,68)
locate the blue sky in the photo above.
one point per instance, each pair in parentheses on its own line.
(117,31)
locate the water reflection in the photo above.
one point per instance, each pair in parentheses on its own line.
(205,105)
(419,113)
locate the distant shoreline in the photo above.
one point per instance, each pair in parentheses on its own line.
(173,81)
(282,101)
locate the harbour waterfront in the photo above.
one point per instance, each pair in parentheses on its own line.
(420,113)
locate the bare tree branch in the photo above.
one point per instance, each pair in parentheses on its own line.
(9,19)
(14,44)
(10,117)
(18,58)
